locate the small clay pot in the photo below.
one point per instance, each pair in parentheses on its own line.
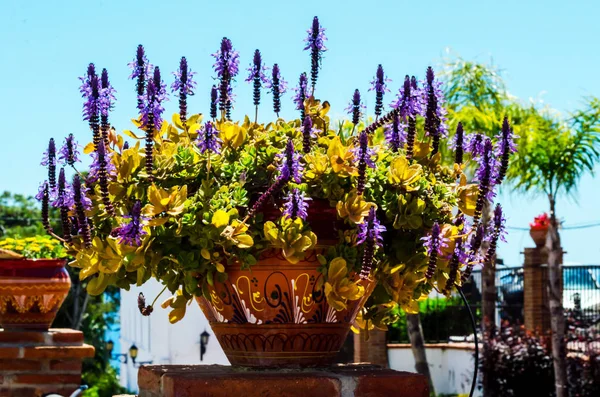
(539,236)
(31,292)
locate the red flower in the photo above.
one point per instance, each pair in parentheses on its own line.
(541,222)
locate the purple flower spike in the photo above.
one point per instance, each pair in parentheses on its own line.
(379,85)
(409,100)
(486,174)
(395,134)
(290,167)
(435,113)
(90,90)
(214,101)
(364,154)
(355,108)
(370,233)
(434,243)
(69,152)
(308,133)
(506,146)
(141,70)
(64,195)
(184,85)
(82,219)
(151,115)
(103,176)
(44,197)
(458,144)
(301,94)
(208,138)
(131,233)
(498,232)
(49,160)
(227,67)
(296,205)
(315,42)
(475,144)
(278,87)
(107,97)
(256,74)
(474,256)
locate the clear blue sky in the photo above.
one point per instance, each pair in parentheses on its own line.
(547,49)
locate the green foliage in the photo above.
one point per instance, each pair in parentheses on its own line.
(20,216)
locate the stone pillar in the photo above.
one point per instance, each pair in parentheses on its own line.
(536,309)
(226,381)
(35,363)
(372,351)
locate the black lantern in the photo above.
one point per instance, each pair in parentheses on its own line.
(203,342)
(133,352)
(110,345)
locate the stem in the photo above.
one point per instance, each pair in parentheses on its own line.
(157,296)
(256,115)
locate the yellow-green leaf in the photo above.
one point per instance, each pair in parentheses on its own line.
(220,219)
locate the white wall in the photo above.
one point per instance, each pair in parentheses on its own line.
(451,369)
(160,341)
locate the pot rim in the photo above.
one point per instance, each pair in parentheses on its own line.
(26,263)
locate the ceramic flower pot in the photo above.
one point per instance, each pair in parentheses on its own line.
(31,292)
(538,236)
(276,315)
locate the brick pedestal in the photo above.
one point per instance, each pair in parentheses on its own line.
(225,381)
(36,363)
(536,309)
(373,350)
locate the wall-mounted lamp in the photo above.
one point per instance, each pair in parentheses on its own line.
(133,353)
(203,342)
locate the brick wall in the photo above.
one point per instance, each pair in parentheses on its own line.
(35,363)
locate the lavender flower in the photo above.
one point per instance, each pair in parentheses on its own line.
(355,108)
(68,153)
(184,84)
(308,133)
(131,233)
(278,87)
(103,178)
(379,85)
(107,97)
(474,256)
(256,74)
(90,90)
(506,146)
(486,175)
(227,67)
(151,115)
(94,170)
(82,220)
(395,134)
(475,144)
(214,101)
(370,233)
(364,154)
(208,138)
(435,113)
(64,200)
(315,42)
(296,205)
(141,70)
(64,195)
(498,233)
(290,166)
(49,160)
(44,197)
(458,144)
(301,94)
(434,243)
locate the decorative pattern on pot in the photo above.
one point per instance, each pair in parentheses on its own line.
(31,292)
(276,314)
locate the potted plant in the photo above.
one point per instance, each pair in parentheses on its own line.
(286,232)
(33,282)
(538,229)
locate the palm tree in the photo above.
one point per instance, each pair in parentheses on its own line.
(552,156)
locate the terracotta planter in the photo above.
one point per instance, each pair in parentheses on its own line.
(539,236)
(31,292)
(274,315)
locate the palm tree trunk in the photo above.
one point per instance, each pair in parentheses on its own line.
(417,342)
(555,294)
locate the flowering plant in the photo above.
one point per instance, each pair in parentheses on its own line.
(196,193)
(540,222)
(38,247)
